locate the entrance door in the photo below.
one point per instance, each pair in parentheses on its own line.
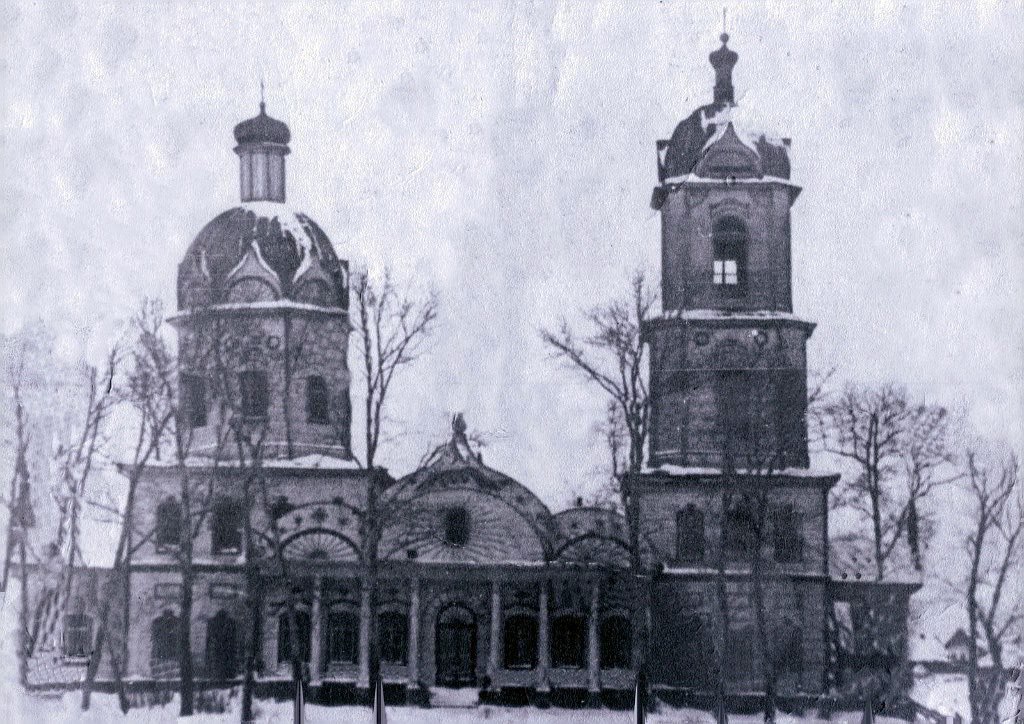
(455,647)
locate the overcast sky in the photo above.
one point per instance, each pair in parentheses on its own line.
(504,151)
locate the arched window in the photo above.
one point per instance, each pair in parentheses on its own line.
(568,642)
(317,400)
(787,529)
(690,535)
(284,639)
(616,643)
(740,530)
(520,642)
(342,637)
(221,647)
(168,524)
(193,399)
(252,385)
(789,651)
(164,638)
(456,526)
(741,659)
(729,240)
(226,526)
(393,634)
(77,635)
(696,651)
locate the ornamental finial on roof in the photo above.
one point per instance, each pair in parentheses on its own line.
(459,425)
(723,60)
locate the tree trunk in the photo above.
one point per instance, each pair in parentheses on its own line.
(185,661)
(767,660)
(722,592)
(23,613)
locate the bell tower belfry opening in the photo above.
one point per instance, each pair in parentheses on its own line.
(728,370)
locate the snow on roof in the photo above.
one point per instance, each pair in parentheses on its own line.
(692,178)
(278,304)
(313,461)
(254,248)
(746,314)
(291,224)
(685,471)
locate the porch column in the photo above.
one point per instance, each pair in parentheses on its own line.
(593,640)
(316,632)
(364,636)
(543,645)
(414,632)
(494,659)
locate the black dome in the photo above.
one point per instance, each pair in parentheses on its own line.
(262,129)
(287,245)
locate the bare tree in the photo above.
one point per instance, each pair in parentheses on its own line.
(899,450)
(612,354)
(995,545)
(391,328)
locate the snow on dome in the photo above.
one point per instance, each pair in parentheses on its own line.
(287,243)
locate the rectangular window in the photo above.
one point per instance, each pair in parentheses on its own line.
(77,636)
(193,399)
(255,396)
(788,534)
(317,401)
(226,527)
(727,272)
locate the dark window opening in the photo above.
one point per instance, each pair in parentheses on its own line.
(226,526)
(734,412)
(790,650)
(616,643)
(741,655)
(696,652)
(568,642)
(729,241)
(77,635)
(740,531)
(343,637)
(788,534)
(168,524)
(690,535)
(393,634)
(317,401)
(221,647)
(255,395)
(193,398)
(284,639)
(791,413)
(520,642)
(164,638)
(456,526)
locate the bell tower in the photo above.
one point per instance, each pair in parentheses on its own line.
(728,358)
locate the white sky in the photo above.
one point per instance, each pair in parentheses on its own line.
(505,152)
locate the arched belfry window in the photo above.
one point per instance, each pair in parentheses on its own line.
(729,241)
(690,535)
(168,524)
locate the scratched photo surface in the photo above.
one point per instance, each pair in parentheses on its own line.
(512,360)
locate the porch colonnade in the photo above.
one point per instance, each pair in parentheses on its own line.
(495,655)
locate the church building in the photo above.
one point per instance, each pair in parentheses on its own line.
(476,582)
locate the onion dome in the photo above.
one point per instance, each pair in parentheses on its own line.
(262,129)
(262,251)
(741,151)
